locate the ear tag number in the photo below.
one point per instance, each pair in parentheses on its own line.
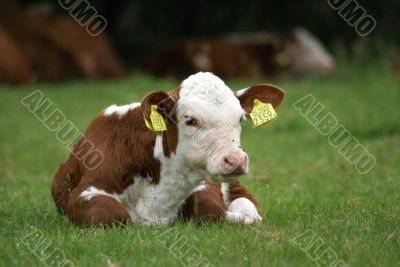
(262,113)
(157,123)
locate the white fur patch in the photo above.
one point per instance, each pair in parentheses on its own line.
(160,203)
(204,85)
(242,210)
(158,152)
(208,96)
(201,187)
(92,191)
(241,92)
(120,110)
(225,193)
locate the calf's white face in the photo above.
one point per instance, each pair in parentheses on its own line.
(208,118)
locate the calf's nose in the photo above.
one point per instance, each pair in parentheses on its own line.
(234,164)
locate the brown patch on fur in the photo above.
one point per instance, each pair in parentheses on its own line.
(264,92)
(66,178)
(127,146)
(170,137)
(100,210)
(206,204)
(166,104)
(170,140)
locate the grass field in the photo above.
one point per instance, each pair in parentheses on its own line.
(307,190)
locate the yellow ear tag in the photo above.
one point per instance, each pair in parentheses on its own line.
(262,113)
(157,123)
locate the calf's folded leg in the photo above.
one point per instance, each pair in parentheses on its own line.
(205,204)
(100,209)
(215,202)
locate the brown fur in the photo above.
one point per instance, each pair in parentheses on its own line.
(205,205)
(263,92)
(208,204)
(127,146)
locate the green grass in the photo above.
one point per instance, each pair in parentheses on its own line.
(301,181)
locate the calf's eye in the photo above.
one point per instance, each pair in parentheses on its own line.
(189,121)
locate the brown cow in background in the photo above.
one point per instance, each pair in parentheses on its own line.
(244,55)
(14,67)
(55,46)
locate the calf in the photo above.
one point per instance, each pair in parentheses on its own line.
(160,152)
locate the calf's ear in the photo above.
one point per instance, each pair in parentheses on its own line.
(264,92)
(163,101)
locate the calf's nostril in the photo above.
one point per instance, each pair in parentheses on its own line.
(228,161)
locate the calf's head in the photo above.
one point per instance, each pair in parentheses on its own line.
(203,119)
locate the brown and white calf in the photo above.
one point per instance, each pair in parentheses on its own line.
(191,168)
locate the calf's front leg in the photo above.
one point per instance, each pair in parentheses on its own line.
(215,202)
